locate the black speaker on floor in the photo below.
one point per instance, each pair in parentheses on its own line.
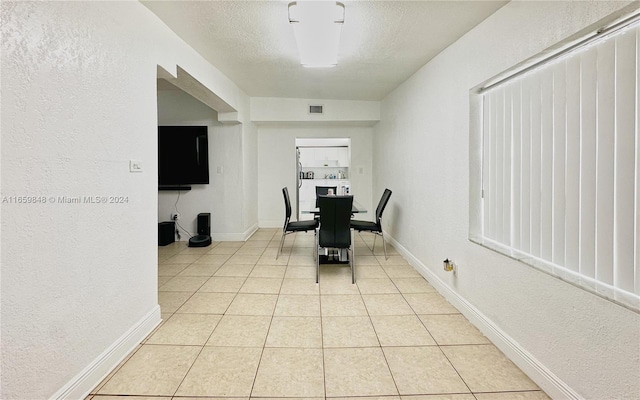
(203,239)
(166,233)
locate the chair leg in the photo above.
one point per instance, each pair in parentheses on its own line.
(353,266)
(315,240)
(352,259)
(317,244)
(281,244)
(384,245)
(373,248)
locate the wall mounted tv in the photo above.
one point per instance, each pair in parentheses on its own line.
(183,156)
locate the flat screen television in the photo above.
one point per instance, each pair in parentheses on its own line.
(183,155)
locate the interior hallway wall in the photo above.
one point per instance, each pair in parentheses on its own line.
(79,98)
(591,344)
(277,166)
(250,172)
(222,197)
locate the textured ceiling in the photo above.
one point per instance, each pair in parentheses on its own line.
(383,43)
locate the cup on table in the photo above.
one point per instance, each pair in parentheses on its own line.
(330,192)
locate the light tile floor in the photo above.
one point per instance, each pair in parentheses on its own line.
(239,323)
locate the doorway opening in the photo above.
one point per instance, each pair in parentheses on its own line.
(324,163)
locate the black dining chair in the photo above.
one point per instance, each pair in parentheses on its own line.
(323,191)
(334,231)
(293,226)
(374,227)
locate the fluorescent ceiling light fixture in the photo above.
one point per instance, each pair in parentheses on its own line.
(317,26)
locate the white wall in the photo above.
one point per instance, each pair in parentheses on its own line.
(590,344)
(277,166)
(223,196)
(79,281)
(340,112)
(250,171)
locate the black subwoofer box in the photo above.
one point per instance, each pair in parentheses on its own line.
(166,233)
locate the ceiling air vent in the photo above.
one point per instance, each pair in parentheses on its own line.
(315,109)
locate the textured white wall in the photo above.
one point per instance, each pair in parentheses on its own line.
(78,102)
(222,197)
(277,110)
(589,343)
(250,172)
(277,166)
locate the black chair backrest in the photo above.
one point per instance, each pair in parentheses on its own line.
(323,191)
(382,204)
(287,205)
(335,221)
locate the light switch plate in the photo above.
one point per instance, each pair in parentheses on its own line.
(135,166)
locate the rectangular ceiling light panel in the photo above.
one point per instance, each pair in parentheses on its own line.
(317,26)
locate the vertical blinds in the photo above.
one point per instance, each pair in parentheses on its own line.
(561,166)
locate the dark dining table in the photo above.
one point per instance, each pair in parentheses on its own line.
(309,207)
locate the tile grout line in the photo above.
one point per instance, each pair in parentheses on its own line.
(324,362)
(204,344)
(456,369)
(378,338)
(264,344)
(324,372)
(223,314)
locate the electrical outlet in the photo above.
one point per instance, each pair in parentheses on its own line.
(450,266)
(175,216)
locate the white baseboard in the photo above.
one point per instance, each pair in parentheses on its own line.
(541,375)
(249,232)
(81,385)
(235,237)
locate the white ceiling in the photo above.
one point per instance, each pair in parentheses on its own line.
(383,43)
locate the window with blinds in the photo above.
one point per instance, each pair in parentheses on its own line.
(561,163)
